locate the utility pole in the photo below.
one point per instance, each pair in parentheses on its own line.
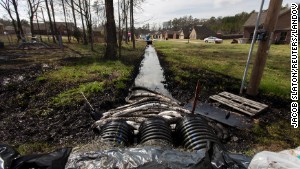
(264,46)
(132,24)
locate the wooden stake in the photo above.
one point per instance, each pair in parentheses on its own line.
(197,91)
(263,48)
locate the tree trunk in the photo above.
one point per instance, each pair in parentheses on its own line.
(126,21)
(38,25)
(31,17)
(50,21)
(120,32)
(45,25)
(111,39)
(73,12)
(83,26)
(90,26)
(132,24)
(20,29)
(88,19)
(54,22)
(68,32)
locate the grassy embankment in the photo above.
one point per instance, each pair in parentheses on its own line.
(93,74)
(230,60)
(81,70)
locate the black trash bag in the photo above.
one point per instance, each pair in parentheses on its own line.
(217,158)
(7,155)
(54,160)
(222,159)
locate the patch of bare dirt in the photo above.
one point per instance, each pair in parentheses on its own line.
(26,112)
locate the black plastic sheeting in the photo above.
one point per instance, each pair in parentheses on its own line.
(10,159)
(7,155)
(138,158)
(158,158)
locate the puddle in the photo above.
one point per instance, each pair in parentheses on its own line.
(151,74)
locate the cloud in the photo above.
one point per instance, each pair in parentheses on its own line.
(220,3)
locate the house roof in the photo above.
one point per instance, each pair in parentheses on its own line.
(9,28)
(251,21)
(186,31)
(202,30)
(41,26)
(170,32)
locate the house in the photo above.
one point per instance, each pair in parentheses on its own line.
(155,35)
(176,34)
(184,33)
(201,32)
(1,28)
(168,35)
(63,27)
(9,29)
(282,32)
(44,28)
(40,29)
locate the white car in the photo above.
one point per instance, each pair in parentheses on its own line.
(212,39)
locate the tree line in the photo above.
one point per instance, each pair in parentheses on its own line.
(82,13)
(225,25)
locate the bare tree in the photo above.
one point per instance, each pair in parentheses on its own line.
(88,19)
(125,12)
(83,25)
(120,29)
(38,25)
(20,29)
(76,32)
(50,21)
(111,39)
(6,5)
(45,24)
(67,28)
(33,6)
(73,12)
(132,24)
(54,22)
(98,8)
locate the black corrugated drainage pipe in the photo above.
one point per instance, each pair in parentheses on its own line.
(155,131)
(117,133)
(193,132)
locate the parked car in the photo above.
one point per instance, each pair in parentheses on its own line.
(212,39)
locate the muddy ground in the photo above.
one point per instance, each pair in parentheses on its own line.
(28,117)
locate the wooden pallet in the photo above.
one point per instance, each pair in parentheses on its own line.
(241,104)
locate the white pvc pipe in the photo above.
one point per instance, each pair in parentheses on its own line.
(252,45)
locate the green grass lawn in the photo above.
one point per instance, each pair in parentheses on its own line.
(230,59)
(184,59)
(92,73)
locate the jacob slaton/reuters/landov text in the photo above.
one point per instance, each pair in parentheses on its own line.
(294,65)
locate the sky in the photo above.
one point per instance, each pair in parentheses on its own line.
(158,11)
(155,12)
